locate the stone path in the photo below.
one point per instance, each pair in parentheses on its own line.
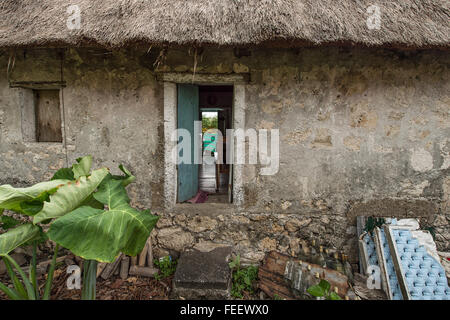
(203,273)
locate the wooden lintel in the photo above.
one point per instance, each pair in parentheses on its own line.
(37,84)
(203,78)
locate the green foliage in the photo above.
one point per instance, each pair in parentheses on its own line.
(432,231)
(48,284)
(82,167)
(22,289)
(17,237)
(323,290)
(372,223)
(89,280)
(27,200)
(106,233)
(64,174)
(243,278)
(209,123)
(7,222)
(127,178)
(74,203)
(26,288)
(166,267)
(70,196)
(236,263)
(77,170)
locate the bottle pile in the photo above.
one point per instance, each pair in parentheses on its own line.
(327,258)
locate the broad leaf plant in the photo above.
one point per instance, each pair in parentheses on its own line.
(89,213)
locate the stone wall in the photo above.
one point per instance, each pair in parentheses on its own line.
(362,132)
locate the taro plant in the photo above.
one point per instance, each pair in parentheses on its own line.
(89,214)
(27,288)
(322,290)
(27,202)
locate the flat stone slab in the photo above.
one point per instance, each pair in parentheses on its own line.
(203,273)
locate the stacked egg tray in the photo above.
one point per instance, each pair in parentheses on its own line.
(407,270)
(369,253)
(389,277)
(422,277)
(370,248)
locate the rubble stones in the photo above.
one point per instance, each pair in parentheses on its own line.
(175,238)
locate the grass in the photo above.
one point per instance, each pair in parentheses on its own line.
(243,278)
(166,267)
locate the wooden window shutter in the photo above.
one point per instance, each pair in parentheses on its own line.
(48,116)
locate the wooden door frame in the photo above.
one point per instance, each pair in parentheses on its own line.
(170,81)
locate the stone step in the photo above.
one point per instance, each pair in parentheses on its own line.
(203,273)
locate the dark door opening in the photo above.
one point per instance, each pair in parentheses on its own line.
(212,105)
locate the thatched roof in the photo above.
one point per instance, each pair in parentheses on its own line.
(118,23)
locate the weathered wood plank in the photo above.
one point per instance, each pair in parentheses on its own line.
(124,266)
(134,260)
(143,271)
(199,78)
(48,116)
(293,281)
(149,252)
(100,267)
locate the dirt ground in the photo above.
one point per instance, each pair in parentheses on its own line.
(114,288)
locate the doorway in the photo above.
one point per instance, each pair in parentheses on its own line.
(210,179)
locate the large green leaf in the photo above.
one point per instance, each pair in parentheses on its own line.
(17,236)
(32,207)
(126,180)
(92,202)
(96,234)
(70,196)
(14,199)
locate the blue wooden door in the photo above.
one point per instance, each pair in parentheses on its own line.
(188,112)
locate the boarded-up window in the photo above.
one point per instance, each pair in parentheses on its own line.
(48,116)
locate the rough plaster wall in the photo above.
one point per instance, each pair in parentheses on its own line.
(362,133)
(116,115)
(24,163)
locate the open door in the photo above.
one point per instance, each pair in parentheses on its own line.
(187,113)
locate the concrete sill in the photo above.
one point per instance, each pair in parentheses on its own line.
(204,209)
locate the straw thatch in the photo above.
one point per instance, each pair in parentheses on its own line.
(118,23)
